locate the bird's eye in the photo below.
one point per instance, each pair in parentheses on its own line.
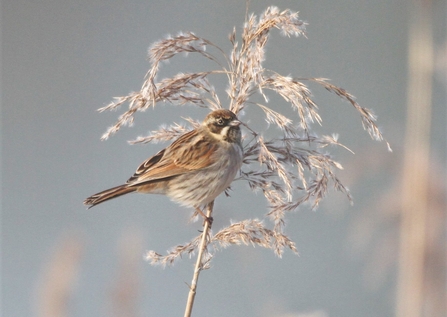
(220,121)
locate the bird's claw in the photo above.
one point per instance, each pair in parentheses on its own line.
(208,220)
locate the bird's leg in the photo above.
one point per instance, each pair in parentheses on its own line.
(205,218)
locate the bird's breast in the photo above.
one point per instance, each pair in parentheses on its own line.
(199,187)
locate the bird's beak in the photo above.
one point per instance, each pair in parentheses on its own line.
(234,123)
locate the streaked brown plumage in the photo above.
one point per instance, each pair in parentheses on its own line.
(193,170)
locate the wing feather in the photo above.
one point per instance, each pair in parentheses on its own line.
(191,151)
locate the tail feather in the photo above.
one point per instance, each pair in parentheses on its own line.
(108,194)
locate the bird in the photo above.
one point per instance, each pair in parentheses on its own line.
(193,170)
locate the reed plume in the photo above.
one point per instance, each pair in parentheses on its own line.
(290,169)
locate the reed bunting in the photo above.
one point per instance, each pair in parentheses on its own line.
(193,170)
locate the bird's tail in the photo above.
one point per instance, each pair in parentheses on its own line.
(108,194)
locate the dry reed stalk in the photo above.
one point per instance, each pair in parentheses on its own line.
(124,291)
(415,194)
(199,264)
(58,279)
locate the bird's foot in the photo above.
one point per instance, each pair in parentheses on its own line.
(206,219)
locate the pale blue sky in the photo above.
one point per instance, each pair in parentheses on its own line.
(61,60)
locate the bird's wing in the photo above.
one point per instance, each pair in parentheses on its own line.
(189,152)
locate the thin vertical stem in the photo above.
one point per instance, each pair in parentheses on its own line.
(415,201)
(199,265)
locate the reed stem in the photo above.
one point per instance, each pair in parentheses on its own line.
(199,264)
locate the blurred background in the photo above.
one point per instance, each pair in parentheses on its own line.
(383,256)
